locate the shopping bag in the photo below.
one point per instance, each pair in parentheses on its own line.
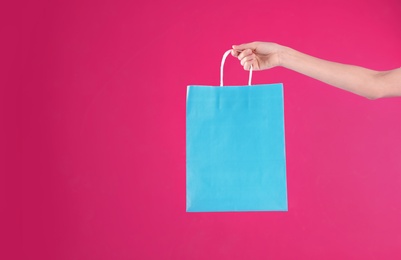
(235,148)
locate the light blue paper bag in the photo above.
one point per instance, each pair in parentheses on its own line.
(235,158)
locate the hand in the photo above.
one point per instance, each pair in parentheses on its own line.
(261,55)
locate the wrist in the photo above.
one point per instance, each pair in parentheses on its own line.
(284,56)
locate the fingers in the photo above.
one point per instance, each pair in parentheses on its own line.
(247,64)
(241,54)
(247,59)
(241,47)
(245,53)
(235,53)
(238,49)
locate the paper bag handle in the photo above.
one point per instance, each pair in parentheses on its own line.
(222,65)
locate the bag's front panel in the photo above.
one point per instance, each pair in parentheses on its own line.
(235,149)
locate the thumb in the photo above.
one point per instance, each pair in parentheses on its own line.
(245,46)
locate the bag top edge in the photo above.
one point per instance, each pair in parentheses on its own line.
(256,85)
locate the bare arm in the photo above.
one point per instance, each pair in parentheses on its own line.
(365,82)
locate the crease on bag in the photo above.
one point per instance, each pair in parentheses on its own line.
(218,99)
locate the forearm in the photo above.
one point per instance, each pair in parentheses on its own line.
(355,79)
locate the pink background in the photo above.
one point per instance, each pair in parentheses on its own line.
(94,143)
